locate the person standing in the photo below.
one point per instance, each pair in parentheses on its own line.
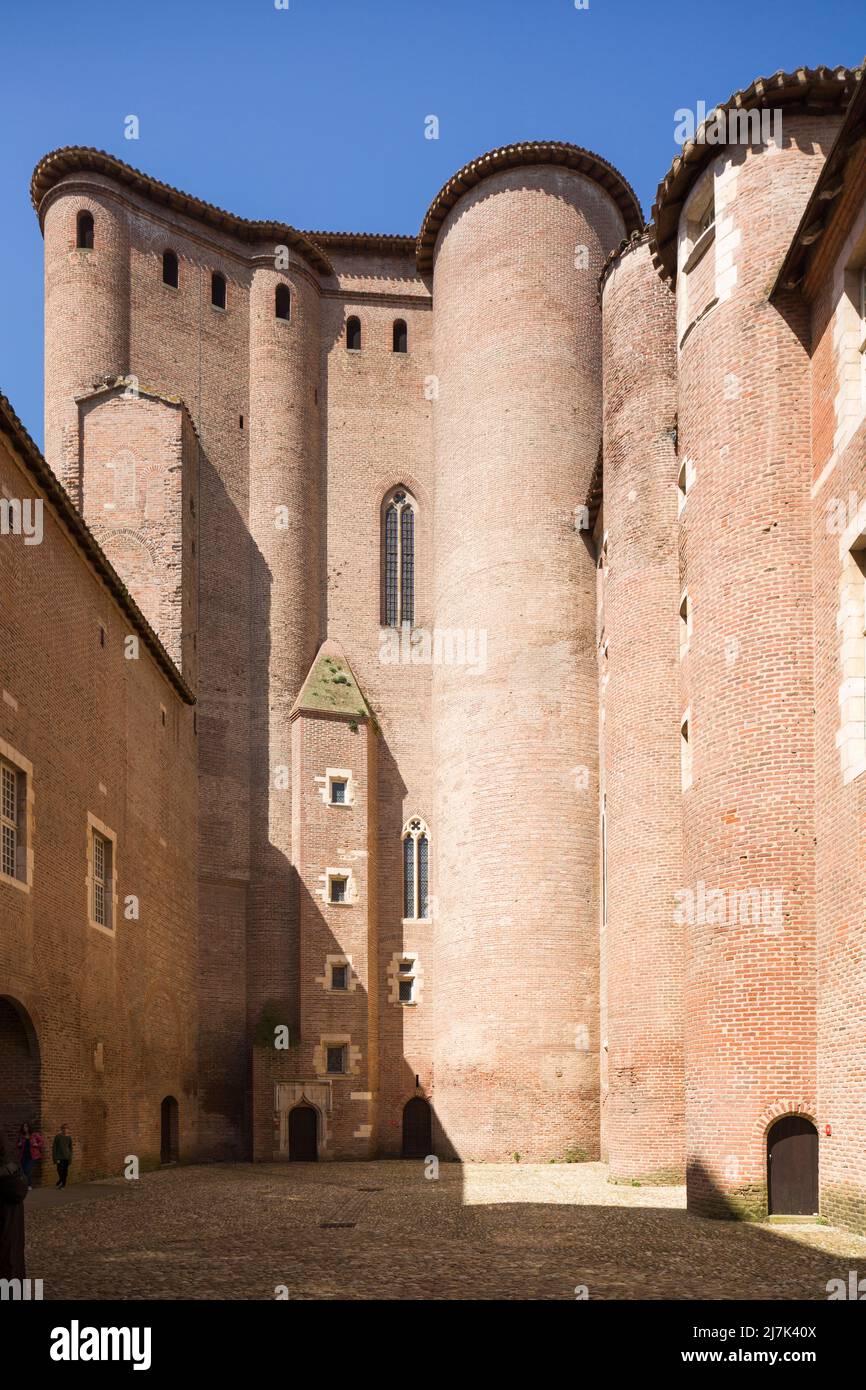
(13,1190)
(61,1154)
(30,1150)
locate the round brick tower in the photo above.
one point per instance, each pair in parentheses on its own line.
(723,221)
(516,242)
(285,599)
(87,292)
(642,1116)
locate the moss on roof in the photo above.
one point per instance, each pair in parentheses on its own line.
(331,688)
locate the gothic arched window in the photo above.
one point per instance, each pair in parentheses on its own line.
(416,872)
(399,560)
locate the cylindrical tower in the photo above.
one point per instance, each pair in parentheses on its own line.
(285,599)
(86,309)
(724,219)
(517,429)
(643,1120)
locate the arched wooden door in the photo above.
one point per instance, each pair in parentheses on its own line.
(792,1167)
(169,1146)
(417,1128)
(303,1135)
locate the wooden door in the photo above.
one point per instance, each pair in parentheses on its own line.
(792,1167)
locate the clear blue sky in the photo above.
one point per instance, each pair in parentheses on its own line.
(315,114)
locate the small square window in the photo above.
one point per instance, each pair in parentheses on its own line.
(339,977)
(405,967)
(406,987)
(338,791)
(336,1061)
(338,889)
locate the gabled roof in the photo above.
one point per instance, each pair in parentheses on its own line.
(331,688)
(26,452)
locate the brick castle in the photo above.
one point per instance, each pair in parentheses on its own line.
(434,715)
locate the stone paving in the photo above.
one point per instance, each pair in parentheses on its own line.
(384,1231)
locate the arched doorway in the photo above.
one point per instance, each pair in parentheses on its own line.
(417,1128)
(20,1072)
(303,1135)
(792,1167)
(169,1146)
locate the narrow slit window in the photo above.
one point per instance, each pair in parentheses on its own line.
(170,269)
(400,336)
(84,231)
(283,303)
(353,334)
(218,291)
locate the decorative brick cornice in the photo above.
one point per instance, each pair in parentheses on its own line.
(805,91)
(514,157)
(73,159)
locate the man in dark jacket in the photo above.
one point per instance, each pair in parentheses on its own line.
(13,1190)
(61,1155)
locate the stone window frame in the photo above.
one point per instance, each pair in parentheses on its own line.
(351,887)
(395,975)
(326,979)
(415,827)
(700,234)
(851,623)
(98,827)
(22,879)
(337,774)
(685,612)
(686,478)
(686,750)
(352,1056)
(401,499)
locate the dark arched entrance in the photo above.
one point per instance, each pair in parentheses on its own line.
(792,1167)
(20,1072)
(417,1128)
(169,1145)
(303,1135)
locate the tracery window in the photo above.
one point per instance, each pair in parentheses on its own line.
(416,873)
(399,560)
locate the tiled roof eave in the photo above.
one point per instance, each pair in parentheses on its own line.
(57,165)
(802,91)
(517,156)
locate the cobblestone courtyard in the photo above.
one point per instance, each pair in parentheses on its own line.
(382,1230)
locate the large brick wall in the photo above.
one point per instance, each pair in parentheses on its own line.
(749,813)
(639,678)
(98,1026)
(517,430)
(265,451)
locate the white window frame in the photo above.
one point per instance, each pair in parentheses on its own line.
(97,831)
(22,822)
